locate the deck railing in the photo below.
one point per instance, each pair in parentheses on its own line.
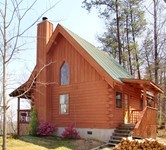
(146,126)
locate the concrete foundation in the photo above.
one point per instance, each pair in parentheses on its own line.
(89,133)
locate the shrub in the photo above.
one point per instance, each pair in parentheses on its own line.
(70,133)
(46,129)
(33,122)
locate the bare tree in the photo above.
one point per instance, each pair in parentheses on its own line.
(11,122)
(1,116)
(154,46)
(12,15)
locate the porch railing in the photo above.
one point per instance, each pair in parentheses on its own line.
(24,116)
(146,126)
(135,116)
(23,122)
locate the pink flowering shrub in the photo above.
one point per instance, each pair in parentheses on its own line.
(70,133)
(46,129)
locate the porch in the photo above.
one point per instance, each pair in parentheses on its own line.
(23,120)
(145,117)
(23,115)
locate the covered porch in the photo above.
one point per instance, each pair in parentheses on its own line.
(23,115)
(145,117)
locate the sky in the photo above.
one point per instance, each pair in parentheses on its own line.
(71,15)
(68,13)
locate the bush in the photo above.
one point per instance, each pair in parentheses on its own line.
(46,129)
(33,122)
(70,133)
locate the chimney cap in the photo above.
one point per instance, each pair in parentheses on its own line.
(44,18)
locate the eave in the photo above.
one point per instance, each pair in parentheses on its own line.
(146,83)
(25,90)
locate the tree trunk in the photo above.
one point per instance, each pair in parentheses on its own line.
(4,82)
(148,62)
(123,60)
(156,63)
(118,33)
(4,96)
(4,108)
(128,45)
(133,36)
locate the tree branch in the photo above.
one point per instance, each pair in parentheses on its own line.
(34,81)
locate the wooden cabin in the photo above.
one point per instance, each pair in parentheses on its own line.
(74,82)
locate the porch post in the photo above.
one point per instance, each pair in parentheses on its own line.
(18,117)
(144,98)
(155,96)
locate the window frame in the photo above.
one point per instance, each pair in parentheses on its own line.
(61,74)
(67,104)
(118,104)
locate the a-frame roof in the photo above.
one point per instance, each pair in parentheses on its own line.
(107,63)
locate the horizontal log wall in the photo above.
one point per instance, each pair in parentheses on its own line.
(88,91)
(87,103)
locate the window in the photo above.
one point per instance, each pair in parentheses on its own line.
(64,104)
(64,74)
(118,100)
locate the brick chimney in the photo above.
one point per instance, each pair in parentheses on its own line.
(44,32)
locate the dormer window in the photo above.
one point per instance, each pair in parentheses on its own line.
(64,74)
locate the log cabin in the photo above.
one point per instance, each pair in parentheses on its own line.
(74,82)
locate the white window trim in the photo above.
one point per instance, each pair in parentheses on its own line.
(67,104)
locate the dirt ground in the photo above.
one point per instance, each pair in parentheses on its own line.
(161,135)
(87,144)
(90,144)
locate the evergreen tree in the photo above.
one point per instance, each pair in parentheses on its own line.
(33,122)
(109,9)
(124,24)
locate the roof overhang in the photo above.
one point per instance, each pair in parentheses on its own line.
(21,92)
(143,83)
(26,89)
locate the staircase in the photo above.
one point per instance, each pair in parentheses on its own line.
(124,130)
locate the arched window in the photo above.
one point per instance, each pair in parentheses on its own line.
(64,74)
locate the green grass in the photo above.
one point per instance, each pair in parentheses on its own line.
(39,143)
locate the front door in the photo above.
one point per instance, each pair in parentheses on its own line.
(126,108)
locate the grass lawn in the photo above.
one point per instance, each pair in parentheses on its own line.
(37,143)
(45,143)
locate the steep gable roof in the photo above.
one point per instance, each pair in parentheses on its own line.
(111,67)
